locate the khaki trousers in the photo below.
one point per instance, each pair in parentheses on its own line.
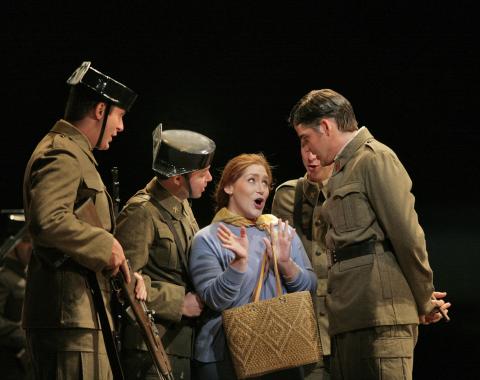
(383,352)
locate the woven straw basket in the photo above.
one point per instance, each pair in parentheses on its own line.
(272,335)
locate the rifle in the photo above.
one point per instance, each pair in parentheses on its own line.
(116,306)
(145,321)
(143,316)
(115,191)
(12,241)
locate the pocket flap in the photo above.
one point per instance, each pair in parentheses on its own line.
(93,182)
(163,231)
(353,187)
(392,348)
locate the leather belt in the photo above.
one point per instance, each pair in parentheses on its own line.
(359,249)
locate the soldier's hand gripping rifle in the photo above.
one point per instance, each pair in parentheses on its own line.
(143,316)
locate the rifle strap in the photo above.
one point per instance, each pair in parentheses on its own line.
(110,346)
(297,205)
(168,220)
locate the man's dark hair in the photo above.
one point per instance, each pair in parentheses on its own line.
(319,104)
(80,101)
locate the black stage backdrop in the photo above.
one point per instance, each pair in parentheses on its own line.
(233,70)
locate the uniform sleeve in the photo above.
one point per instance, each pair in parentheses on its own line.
(217,284)
(54,182)
(136,233)
(167,300)
(389,190)
(282,205)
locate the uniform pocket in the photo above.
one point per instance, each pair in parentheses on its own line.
(77,304)
(91,186)
(349,208)
(357,262)
(163,251)
(396,341)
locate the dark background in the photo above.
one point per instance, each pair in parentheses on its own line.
(233,70)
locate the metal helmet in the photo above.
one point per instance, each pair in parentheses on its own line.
(179,151)
(108,88)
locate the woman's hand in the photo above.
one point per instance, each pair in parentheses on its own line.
(237,244)
(282,244)
(283,239)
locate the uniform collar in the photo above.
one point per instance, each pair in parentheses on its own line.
(311,190)
(350,148)
(64,128)
(172,204)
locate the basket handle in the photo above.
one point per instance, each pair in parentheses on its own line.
(264,270)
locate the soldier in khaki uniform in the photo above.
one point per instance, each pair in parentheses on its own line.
(63,333)
(300,202)
(380,284)
(156,228)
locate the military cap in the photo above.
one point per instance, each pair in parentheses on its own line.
(108,88)
(180,151)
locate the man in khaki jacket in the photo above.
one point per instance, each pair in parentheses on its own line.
(300,202)
(156,229)
(380,284)
(63,333)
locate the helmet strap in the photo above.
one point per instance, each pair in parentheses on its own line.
(104,124)
(189,187)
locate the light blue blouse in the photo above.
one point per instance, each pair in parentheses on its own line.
(222,287)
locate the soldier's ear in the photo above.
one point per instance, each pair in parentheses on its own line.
(100,110)
(177,180)
(328,125)
(324,127)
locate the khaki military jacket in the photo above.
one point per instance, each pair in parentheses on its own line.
(369,198)
(150,246)
(60,175)
(312,234)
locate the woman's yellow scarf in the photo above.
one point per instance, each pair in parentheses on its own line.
(226,216)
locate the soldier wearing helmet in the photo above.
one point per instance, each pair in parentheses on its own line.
(63,333)
(156,228)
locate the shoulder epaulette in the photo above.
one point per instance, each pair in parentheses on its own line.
(139,199)
(289,183)
(372,144)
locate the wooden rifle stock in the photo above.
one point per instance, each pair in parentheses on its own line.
(146,324)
